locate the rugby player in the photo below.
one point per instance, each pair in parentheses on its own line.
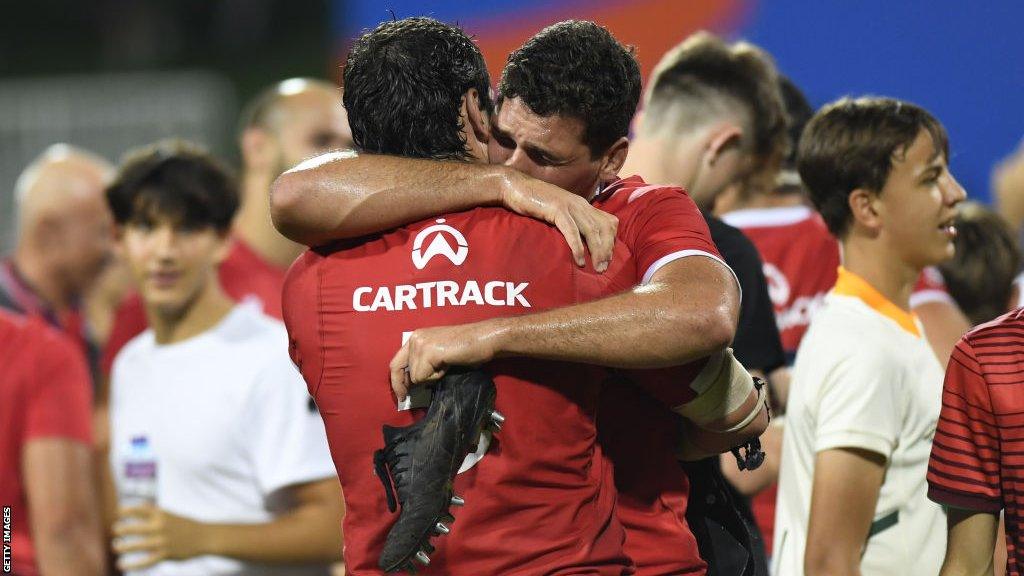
(538,497)
(544,128)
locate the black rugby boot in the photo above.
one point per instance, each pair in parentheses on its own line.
(419,462)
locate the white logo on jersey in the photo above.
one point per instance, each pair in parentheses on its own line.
(778,286)
(440,293)
(439,245)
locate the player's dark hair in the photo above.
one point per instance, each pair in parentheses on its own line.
(176,180)
(980,275)
(577,69)
(798,112)
(851,144)
(404,83)
(704,76)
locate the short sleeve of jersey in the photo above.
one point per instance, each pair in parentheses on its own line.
(861,402)
(662,225)
(60,399)
(964,467)
(288,443)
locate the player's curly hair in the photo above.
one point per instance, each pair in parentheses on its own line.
(404,83)
(851,144)
(177,180)
(577,69)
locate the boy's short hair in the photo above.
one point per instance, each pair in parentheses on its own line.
(177,180)
(851,144)
(980,276)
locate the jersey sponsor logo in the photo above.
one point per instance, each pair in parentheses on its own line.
(778,286)
(440,293)
(441,245)
(800,313)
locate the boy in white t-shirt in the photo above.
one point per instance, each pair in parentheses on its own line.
(245,482)
(866,388)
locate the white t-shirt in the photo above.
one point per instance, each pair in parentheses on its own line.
(863,381)
(230,422)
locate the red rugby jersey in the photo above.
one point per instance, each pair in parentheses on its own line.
(800,263)
(45,392)
(977,459)
(243,274)
(638,432)
(541,501)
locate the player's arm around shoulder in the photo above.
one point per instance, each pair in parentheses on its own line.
(346,195)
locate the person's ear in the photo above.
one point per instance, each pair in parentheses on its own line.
(725,138)
(259,149)
(479,121)
(613,160)
(865,208)
(220,253)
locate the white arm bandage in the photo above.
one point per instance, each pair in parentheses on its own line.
(722,387)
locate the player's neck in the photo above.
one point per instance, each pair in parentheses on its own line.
(254,226)
(42,280)
(881,268)
(204,312)
(761,201)
(647,158)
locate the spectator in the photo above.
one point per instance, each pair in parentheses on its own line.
(1008,189)
(245,481)
(980,277)
(45,457)
(283,125)
(63,242)
(865,393)
(975,467)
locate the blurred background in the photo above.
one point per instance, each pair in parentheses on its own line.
(108,75)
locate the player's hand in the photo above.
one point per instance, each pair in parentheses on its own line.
(159,534)
(574,217)
(427,354)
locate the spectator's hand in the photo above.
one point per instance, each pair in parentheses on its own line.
(574,217)
(160,534)
(427,354)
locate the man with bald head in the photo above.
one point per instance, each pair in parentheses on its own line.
(64,237)
(284,124)
(63,244)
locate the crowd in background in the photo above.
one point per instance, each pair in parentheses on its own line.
(94,332)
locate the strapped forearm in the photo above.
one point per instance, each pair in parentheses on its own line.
(346,195)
